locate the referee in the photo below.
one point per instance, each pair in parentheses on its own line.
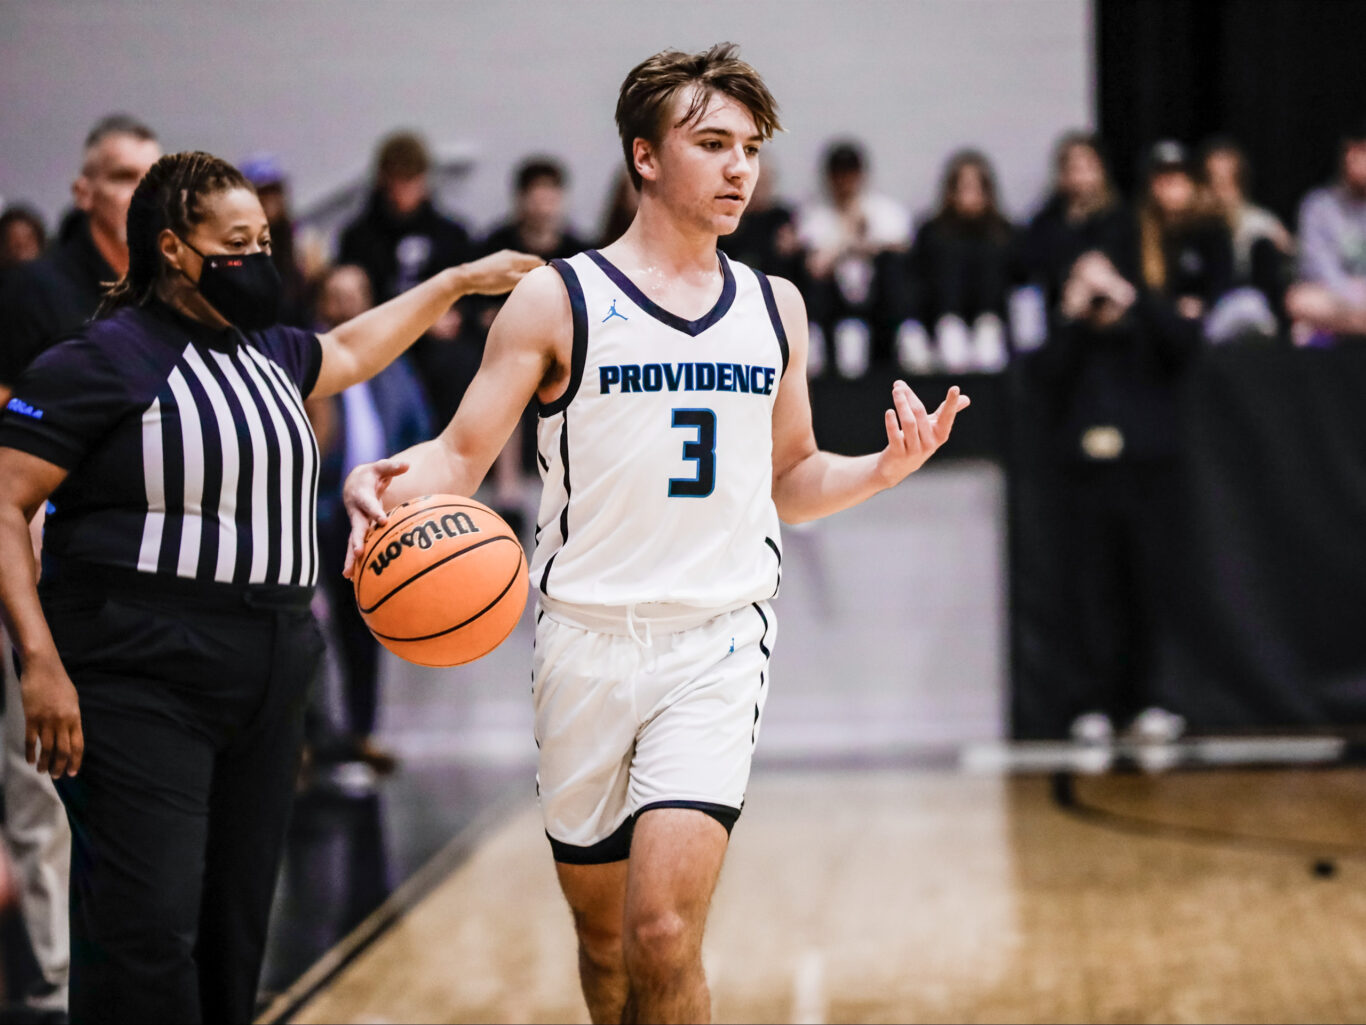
(166,663)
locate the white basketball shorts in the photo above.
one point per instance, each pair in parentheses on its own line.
(652,718)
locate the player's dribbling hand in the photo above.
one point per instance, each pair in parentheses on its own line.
(913,435)
(363,494)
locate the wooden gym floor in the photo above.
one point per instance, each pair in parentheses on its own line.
(929,895)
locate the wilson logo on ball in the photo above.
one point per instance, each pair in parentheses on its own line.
(444,581)
(423,536)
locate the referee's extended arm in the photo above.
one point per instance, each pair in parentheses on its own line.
(363,346)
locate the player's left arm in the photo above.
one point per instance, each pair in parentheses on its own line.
(809,483)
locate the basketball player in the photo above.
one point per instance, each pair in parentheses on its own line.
(674,432)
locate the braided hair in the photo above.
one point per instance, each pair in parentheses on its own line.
(171,195)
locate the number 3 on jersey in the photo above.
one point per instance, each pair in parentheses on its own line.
(701,450)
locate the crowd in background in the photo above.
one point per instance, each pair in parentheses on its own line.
(1190,259)
(1105,298)
(957,288)
(938,291)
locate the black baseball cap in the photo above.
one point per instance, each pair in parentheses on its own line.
(1167,155)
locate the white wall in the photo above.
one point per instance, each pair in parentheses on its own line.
(318,81)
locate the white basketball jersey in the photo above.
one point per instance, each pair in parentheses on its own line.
(657,462)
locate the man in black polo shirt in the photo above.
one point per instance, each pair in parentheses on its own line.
(41,302)
(46,299)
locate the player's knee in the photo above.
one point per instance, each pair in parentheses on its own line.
(661,941)
(599,943)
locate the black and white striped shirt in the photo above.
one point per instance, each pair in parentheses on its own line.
(188,448)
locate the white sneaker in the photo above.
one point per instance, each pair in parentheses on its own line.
(955,343)
(1156,726)
(989,343)
(1155,758)
(1093,728)
(852,348)
(913,350)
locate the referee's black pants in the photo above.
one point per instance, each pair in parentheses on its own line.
(193,721)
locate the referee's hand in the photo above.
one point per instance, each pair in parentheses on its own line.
(363,494)
(52,718)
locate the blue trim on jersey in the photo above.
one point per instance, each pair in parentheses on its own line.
(578,355)
(762,646)
(768,655)
(673,320)
(773,315)
(779,555)
(564,513)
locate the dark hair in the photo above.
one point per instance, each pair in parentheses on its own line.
(401,156)
(171,195)
(1069,141)
(1226,144)
(956,165)
(844,156)
(118,124)
(535,170)
(643,103)
(1089,141)
(1353,132)
(19,213)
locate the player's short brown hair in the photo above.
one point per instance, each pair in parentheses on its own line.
(643,104)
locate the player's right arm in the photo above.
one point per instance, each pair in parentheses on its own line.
(527,356)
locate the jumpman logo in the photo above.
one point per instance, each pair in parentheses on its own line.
(613,313)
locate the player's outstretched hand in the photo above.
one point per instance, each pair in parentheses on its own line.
(913,435)
(363,494)
(498,272)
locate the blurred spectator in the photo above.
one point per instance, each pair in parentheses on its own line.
(402,239)
(854,239)
(767,236)
(1262,246)
(386,414)
(1186,255)
(1330,296)
(1228,178)
(622,201)
(44,299)
(1110,370)
(22,237)
(267,175)
(537,226)
(538,222)
(1083,213)
(960,269)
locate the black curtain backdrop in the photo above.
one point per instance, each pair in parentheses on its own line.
(1283,77)
(1264,624)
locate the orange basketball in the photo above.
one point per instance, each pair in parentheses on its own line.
(443,582)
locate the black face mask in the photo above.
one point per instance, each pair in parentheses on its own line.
(243,287)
